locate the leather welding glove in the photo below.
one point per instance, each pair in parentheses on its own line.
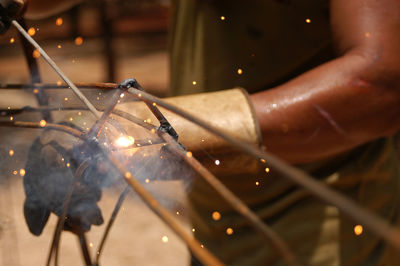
(230,111)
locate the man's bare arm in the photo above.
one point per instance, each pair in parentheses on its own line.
(347,101)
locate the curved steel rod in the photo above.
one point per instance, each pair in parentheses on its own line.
(375,224)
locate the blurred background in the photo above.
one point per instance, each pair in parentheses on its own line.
(96,41)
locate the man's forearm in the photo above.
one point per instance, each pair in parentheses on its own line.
(330,109)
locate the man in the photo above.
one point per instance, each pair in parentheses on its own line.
(326,93)
(325,84)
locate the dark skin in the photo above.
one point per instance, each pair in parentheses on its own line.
(339,105)
(345,102)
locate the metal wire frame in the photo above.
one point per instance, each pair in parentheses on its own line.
(370,221)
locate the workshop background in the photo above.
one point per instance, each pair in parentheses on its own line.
(97,41)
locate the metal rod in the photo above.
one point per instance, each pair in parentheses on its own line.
(375,224)
(47,86)
(114,214)
(78,93)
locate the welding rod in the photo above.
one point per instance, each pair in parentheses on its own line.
(78,93)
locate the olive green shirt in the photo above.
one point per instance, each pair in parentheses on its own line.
(256,45)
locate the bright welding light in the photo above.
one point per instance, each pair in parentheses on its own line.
(125,141)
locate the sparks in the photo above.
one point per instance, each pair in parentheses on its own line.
(194,82)
(11,153)
(15,172)
(367,35)
(308,20)
(217,162)
(240,71)
(229,231)
(59,83)
(12,40)
(193,230)
(257,183)
(35,91)
(22,172)
(31,31)
(125,141)
(36,53)
(91,245)
(128,175)
(78,41)
(358,229)
(147,180)
(189,154)
(262,160)
(164,239)
(68,164)
(11,118)
(59,46)
(59,21)
(267,170)
(222,18)
(42,123)
(216,216)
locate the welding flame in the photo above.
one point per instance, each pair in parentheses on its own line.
(125,141)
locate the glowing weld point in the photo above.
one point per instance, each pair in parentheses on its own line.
(164,239)
(128,175)
(229,231)
(216,216)
(22,172)
(217,162)
(125,141)
(42,123)
(11,153)
(358,229)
